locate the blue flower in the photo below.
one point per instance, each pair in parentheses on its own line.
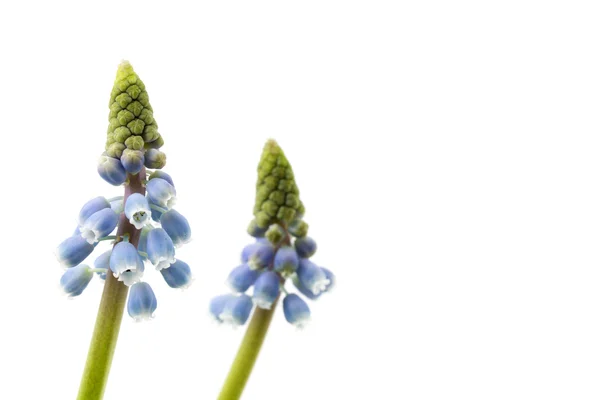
(178,275)
(161,192)
(162,175)
(237,310)
(137,210)
(111,170)
(126,264)
(296,310)
(247,252)
(217,305)
(73,251)
(159,247)
(330,277)
(99,225)
(261,256)
(256,231)
(117,206)
(143,240)
(141,303)
(156,214)
(309,294)
(94,205)
(305,247)
(103,262)
(311,276)
(76,279)
(132,160)
(176,226)
(241,278)
(266,289)
(286,261)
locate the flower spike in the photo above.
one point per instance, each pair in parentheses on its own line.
(131,148)
(281,250)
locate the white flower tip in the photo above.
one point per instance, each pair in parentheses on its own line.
(262,303)
(143,317)
(320,286)
(228,319)
(302,322)
(129,277)
(164,264)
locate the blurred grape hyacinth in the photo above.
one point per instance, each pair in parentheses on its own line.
(129,225)
(281,251)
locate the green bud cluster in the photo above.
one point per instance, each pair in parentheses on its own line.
(131,121)
(277,196)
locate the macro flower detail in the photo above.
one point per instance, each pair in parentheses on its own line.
(281,250)
(126,264)
(241,278)
(111,170)
(94,205)
(137,210)
(217,305)
(266,289)
(76,279)
(142,302)
(160,249)
(99,224)
(176,226)
(236,310)
(178,275)
(296,310)
(161,193)
(73,251)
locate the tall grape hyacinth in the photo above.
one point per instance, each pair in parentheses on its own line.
(147,227)
(281,251)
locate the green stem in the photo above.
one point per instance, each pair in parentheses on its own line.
(247,354)
(110,314)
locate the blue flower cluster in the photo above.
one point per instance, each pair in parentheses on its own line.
(162,230)
(278,253)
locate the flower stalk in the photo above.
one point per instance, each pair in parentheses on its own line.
(247,354)
(110,312)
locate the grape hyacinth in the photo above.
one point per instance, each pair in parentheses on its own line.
(281,251)
(131,150)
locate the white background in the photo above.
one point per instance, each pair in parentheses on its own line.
(447,153)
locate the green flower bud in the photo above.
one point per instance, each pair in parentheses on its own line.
(131,115)
(150,133)
(277,196)
(298,228)
(275,234)
(155,159)
(115,150)
(121,134)
(135,143)
(156,144)
(136,108)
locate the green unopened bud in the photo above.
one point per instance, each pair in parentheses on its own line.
(135,143)
(155,159)
(121,134)
(255,230)
(130,115)
(277,196)
(157,144)
(115,150)
(298,228)
(275,234)
(150,133)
